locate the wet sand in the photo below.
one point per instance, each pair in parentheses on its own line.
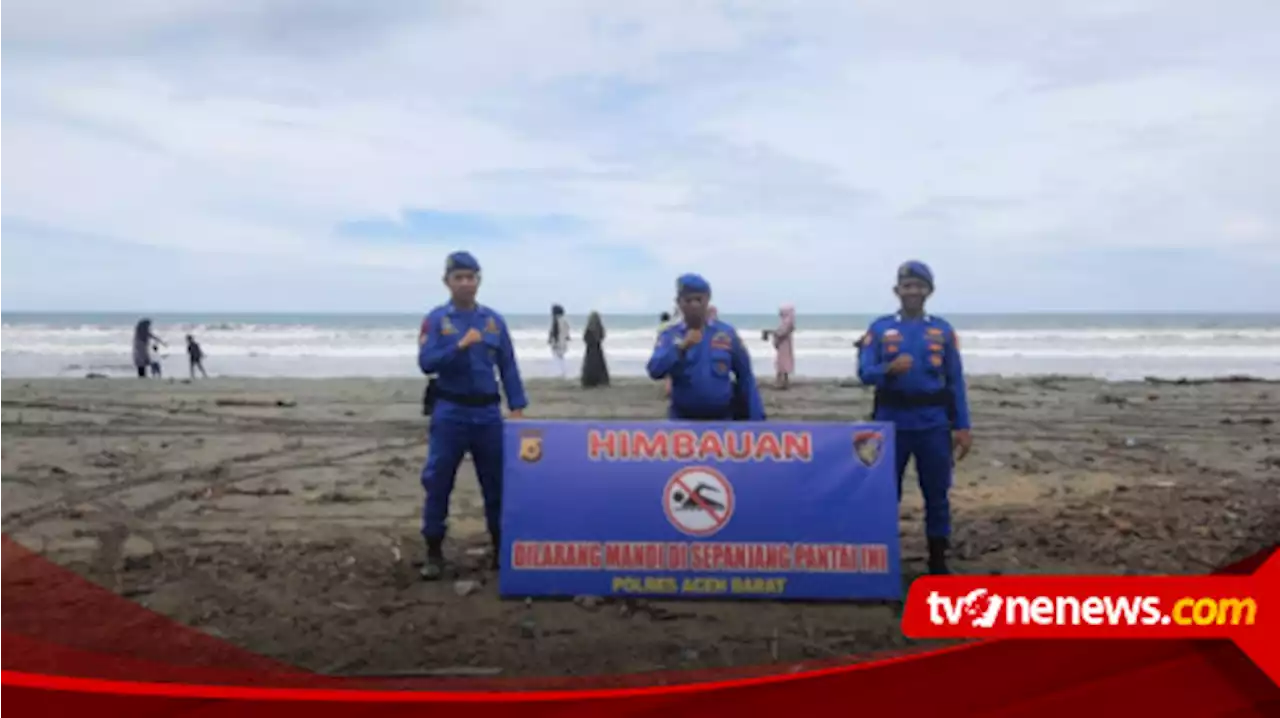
(282,515)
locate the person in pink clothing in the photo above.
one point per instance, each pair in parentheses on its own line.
(785,363)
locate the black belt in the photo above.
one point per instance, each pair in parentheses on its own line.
(738,409)
(703,415)
(902,400)
(476,400)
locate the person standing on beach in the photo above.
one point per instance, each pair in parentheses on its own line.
(595,371)
(195,356)
(709,367)
(142,347)
(913,361)
(785,361)
(155,362)
(558,338)
(462,343)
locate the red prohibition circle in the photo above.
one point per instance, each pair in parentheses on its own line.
(678,479)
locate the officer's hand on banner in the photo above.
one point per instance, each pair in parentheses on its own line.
(901,364)
(961,442)
(691,337)
(471,337)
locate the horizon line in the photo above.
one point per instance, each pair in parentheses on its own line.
(144,313)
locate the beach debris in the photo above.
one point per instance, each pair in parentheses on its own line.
(1232,379)
(528,627)
(268,491)
(136,552)
(590,603)
(255,402)
(1112,399)
(445,672)
(107,459)
(337,496)
(1130,442)
(465,588)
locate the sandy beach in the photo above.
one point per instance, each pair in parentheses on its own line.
(282,515)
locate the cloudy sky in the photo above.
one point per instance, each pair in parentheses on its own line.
(325,155)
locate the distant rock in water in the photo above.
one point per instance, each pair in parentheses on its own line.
(95,375)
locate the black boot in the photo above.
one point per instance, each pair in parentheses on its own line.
(495,560)
(433,567)
(938,556)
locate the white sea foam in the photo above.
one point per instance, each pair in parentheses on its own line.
(320,349)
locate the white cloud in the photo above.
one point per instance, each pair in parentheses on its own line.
(791,149)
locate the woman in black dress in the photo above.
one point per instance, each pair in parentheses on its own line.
(594,370)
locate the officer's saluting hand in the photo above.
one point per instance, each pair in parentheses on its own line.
(913,361)
(465,344)
(692,337)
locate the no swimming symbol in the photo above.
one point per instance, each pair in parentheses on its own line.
(698,501)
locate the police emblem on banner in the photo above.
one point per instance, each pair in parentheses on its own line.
(531,446)
(868,446)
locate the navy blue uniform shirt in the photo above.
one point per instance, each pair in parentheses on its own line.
(932,393)
(702,376)
(469,372)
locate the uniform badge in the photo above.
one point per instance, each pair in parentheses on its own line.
(422,332)
(446,327)
(890,334)
(491,326)
(933,332)
(721,340)
(531,446)
(936,360)
(868,447)
(722,367)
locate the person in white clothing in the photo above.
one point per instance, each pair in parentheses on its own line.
(559,338)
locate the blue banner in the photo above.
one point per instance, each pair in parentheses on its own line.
(700,510)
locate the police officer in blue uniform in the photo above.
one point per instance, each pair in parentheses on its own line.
(462,343)
(710,369)
(913,361)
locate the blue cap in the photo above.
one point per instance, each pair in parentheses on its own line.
(916,270)
(692,284)
(461,260)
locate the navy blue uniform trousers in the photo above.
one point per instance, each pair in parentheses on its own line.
(932,451)
(449,441)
